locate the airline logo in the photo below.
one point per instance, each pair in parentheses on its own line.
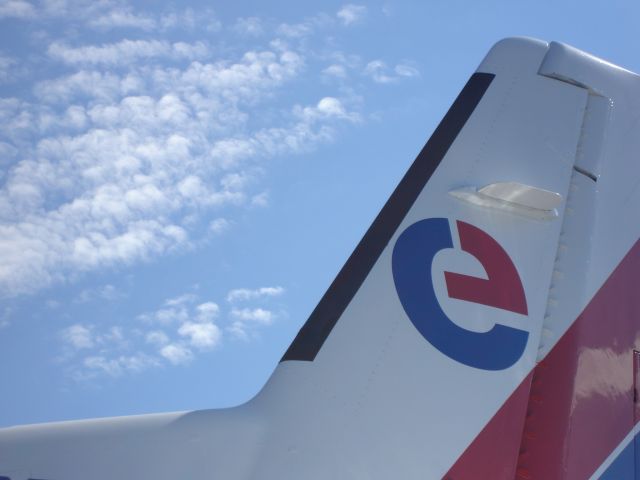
(496,349)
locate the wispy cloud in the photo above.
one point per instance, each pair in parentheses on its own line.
(157,337)
(244,294)
(5,317)
(327,107)
(132,142)
(295,30)
(16,9)
(176,333)
(123,18)
(258,315)
(111,16)
(176,353)
(129,149)
(126,52)
(6,68)
(204,335)
(114,367)
(106,292)
(350,14)
(173,334)
(260,200)
(252,26)
(78,336)
(246,320)
(335,70)
(305,28)
(380,73)
(124,165)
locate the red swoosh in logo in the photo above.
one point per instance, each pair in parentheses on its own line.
(502,289)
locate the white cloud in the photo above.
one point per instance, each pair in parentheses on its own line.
(239,330)
(258,315)
(195,323)
(244,294)
(375,70)
(245,321)
(331,107)
(380,73)
(6,70)
(127,52)
(123,17)
(350,14)
(122,176)
(207,311)
(177,354)
(7,153)
(139,148)
(260,200)
(111,15)
(186,327)
(105,292)
(404,70)
(335,70)
(251,26)
(294,30)
(123,188)
(303,29)
(327,107)
(103,87)
(180,329)
(78,336)
(84,337)
(166,316)
(157,337)
(218,226)
(201,335)
(16,9)
(181,299)
(189,19)
(114,367)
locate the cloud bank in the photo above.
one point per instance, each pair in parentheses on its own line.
(174,334)
(129,149)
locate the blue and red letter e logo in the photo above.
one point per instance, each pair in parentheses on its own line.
(496,349)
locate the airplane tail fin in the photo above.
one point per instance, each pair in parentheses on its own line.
(424,352)
(485,328)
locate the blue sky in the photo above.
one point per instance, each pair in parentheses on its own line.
(179,183)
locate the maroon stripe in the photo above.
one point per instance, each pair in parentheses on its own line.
(502,288)
(581,403)
(494,453)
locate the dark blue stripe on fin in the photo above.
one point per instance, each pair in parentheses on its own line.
(315,331)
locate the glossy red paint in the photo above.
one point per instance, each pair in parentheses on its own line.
(502,288)
(636,385)
(581,400)
(494,452)
(584,386)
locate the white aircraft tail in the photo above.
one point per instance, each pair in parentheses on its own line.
(484,327)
